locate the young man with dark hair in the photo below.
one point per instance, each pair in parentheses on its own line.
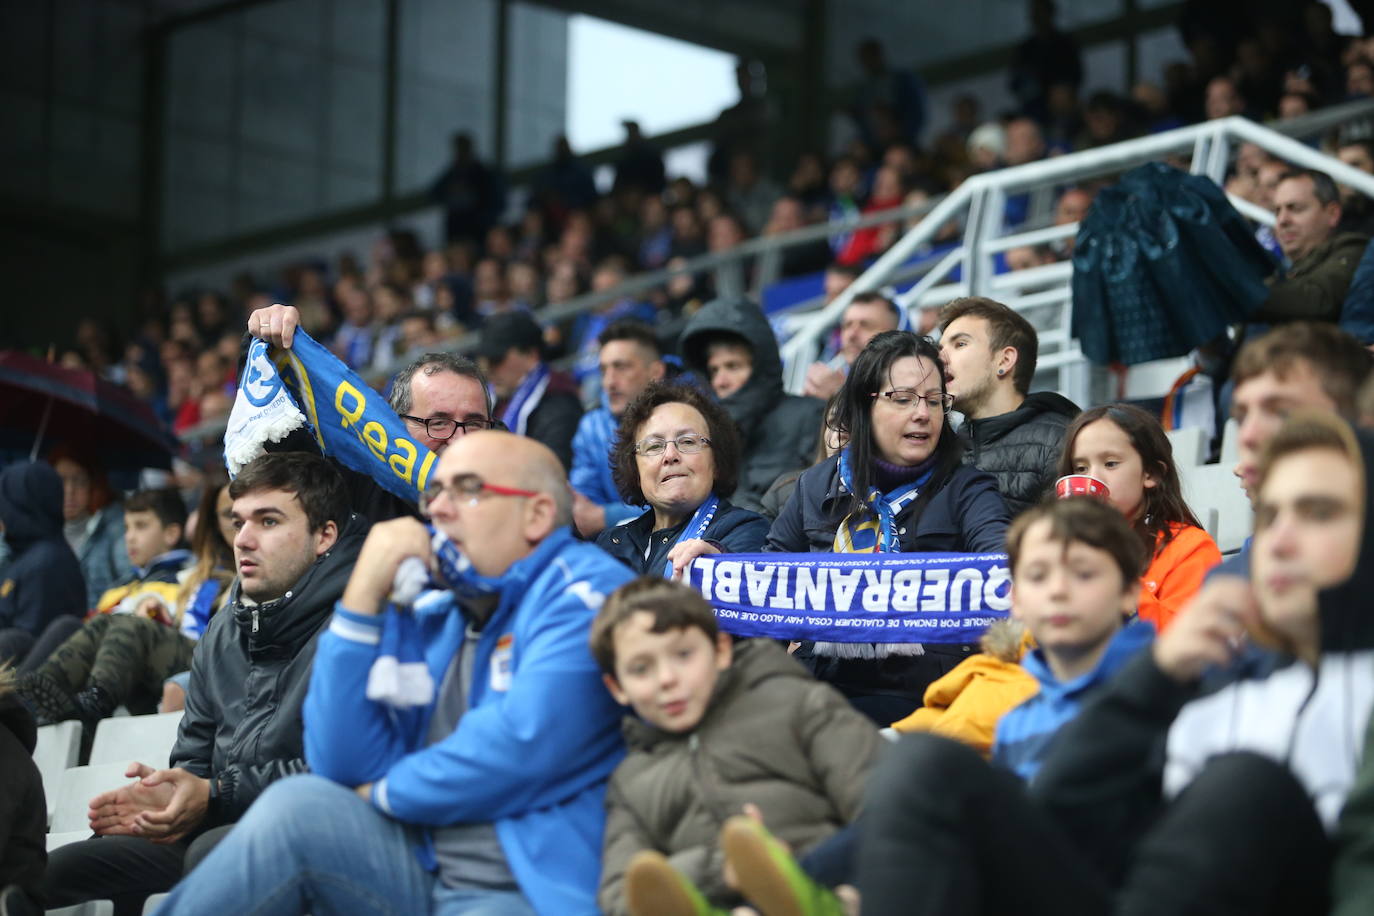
(1321,258)
(630,359)
(989,352)
(295,546)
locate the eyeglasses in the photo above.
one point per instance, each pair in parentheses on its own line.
(467,490)
(906,398)
(444,428)
(654,446)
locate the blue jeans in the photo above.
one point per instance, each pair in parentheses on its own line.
(312,845)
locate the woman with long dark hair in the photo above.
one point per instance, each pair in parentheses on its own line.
(1126,448)
(898,485)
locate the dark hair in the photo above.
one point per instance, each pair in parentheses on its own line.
(1364,143)
(633,330)
(166,504)
(872,298)
(720,429)
(431,364)
(674,606)
(211,555)
(1088,521)
(853,411)
(849,270)
(1322,185)
(1006,328)
(317,485)
(1341,362)
(1163,503)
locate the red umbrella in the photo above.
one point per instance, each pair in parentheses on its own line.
(41,403)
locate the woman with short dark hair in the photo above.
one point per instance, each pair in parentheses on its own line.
(678,453)
(898,486)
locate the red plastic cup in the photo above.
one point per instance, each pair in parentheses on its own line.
(1081,485)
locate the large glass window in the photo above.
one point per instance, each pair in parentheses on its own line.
(617,73)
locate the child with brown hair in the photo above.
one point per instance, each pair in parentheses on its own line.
(718,727)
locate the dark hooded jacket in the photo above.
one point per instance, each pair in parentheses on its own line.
(23,809)
(242,727)
(1021,448)
(771,736)
(43,579)
(1143,739)
(778,431)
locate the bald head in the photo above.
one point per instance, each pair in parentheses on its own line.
(518,498)
(504,458)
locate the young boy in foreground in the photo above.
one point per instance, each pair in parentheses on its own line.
(718,727)
(1076,567)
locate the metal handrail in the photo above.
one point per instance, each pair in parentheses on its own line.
(982,197)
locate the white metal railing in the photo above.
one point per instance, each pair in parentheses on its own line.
(981,202)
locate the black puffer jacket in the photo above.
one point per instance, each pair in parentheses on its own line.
(779,431)
(1021,448)
(734,529)
(242,727)
(23,810)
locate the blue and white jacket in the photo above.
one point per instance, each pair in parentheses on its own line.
(537,744)
(1025,733)
(591,465)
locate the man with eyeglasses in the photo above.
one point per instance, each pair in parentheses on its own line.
(989,353)
(440,397)
(486,796)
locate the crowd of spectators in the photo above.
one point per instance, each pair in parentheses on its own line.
(272,632)
(569,239)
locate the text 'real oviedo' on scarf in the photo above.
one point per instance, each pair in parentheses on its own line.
(350,422)
(856,600)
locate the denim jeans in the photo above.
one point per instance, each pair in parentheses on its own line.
(312,845)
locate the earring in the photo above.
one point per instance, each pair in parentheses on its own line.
(1001,372)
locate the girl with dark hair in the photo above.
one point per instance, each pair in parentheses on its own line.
(677,452)
(897,486)
(1126,448)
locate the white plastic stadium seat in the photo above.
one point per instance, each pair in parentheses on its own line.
(77,787)
(58,748)
(1213,488)
(1189,444)
(90,908)
(147,739)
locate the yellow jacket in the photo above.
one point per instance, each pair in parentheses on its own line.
(968,702)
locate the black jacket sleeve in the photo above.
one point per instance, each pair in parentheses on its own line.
(1102,779)
(554,423)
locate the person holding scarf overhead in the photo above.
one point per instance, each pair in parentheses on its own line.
(531,399)
(678,452)
(897,487)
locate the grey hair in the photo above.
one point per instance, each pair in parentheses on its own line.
(429,364)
